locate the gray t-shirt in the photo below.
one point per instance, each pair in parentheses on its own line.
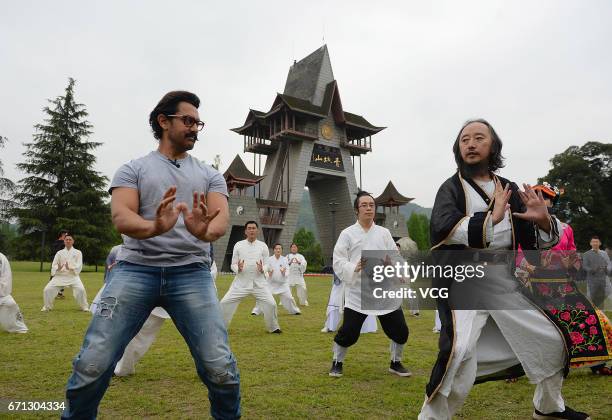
(152,175)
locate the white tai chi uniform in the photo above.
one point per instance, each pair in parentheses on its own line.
(277,281)
(11,319)
(437,323)
(250,281)
(335,307)
(347,254)
(295,276)
(140,344)
(66,277)
(488,341)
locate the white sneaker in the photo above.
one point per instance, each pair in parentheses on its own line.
(325,330)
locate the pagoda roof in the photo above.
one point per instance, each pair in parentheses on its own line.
(238,171)
(390,197)
(311,89)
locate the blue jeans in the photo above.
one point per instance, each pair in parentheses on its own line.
(188,294)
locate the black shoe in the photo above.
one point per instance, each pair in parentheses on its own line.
(277,331)
(336,369)
(568,414)
(297,313)
(398,369)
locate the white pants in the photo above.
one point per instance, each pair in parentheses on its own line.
(286,300)
(264,300)
(455,388)
(333,319)
(300,290)
(412,304)
(139,346)
(437,322)
(11,319)
(78,291)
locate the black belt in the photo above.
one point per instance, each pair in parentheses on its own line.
(503,257)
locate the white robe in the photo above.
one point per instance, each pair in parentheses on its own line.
(250,281)
(277,269)
(347,253)
(297,268)
(11,319)
(335,308)
(66,277)
(65,269)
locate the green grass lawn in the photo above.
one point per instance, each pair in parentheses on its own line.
(283,376)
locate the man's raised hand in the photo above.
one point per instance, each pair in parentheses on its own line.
(536,211)
(198,219)
(167,214)
(502,196)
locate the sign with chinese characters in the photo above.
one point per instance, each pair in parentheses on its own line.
(326,157)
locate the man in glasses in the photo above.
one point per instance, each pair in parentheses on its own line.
(365,235)
(164,261)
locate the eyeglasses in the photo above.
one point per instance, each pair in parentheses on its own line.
(188,121)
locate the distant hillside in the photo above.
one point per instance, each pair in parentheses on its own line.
(306,217)
(410,208)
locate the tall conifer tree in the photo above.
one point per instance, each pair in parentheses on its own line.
(61,189)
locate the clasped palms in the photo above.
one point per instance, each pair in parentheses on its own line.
(196,220)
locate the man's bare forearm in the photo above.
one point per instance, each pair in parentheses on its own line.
(133,225)
(216,228)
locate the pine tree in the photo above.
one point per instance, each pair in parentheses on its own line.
(7,187)
(61,189)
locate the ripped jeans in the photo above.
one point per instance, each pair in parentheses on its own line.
(188,294)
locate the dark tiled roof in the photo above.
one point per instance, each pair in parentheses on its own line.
(391,196)
(297,104)
(359,121)
(238,170)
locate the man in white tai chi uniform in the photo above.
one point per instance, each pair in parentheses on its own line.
(248,262)
(277,268)
(365,235)
(65,270)
(297,268)
(11,319)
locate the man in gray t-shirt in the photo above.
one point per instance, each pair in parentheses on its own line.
(168,206)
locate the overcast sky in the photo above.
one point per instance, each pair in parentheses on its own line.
(539,71)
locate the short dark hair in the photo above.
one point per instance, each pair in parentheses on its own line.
(293,243)
(359,195)
(251,222)
(595,237)
(496,160)
(62,232)
(277,244)
(168,105)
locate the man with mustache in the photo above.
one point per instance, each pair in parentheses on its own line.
(164,261)
(481,214)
